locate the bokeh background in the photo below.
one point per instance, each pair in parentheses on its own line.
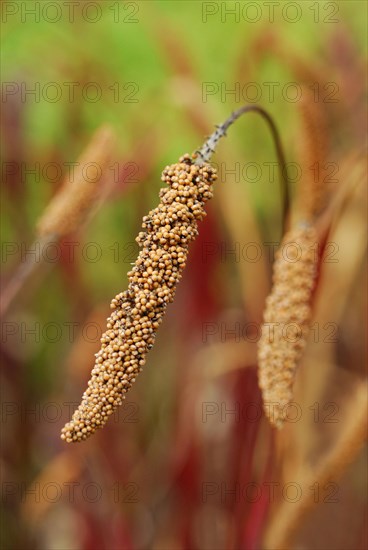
(189,461)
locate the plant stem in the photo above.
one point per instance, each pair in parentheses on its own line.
(208,148)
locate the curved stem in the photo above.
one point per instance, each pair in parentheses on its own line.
(205,152)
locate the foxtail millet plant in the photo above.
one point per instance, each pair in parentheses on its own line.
(286,319)
(138,311)
(289,306)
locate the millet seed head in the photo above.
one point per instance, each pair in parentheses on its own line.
(138,312)
(286,320)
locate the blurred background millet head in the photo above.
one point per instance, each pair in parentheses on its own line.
(97,98)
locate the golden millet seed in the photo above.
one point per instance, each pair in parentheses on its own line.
(138,311)
(286,320)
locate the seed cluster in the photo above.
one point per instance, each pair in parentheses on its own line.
(286,319)
(138,311)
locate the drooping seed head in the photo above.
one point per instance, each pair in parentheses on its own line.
(286,320)
(137,312)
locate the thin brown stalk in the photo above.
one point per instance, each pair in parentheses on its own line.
(313,154)
(291,516)
(352,174)
(204,154)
